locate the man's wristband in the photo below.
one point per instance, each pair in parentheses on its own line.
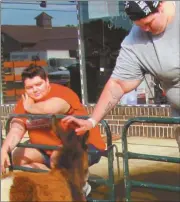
(94,123)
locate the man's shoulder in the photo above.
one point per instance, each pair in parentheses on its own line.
(136,36)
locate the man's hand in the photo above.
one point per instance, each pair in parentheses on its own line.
(27,102)
(82,125)
(5,161)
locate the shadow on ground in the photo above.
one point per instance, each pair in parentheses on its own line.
(166,174)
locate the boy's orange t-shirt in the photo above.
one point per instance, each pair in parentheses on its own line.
(45,135)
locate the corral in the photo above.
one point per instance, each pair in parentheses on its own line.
(142,170)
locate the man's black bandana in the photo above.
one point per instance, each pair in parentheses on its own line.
(140,9)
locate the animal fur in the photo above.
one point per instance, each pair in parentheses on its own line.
(63,183)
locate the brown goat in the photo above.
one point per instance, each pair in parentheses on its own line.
(62,183)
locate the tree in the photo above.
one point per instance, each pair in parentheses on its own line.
(70,25)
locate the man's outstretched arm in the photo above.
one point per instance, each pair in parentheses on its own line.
(112,93)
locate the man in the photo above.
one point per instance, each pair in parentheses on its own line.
(41,97)
(152,46)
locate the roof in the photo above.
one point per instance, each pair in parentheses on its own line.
(34,34)
(56,44)
(42,15)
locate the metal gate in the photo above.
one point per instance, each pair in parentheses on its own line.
(107,153)
(126,155)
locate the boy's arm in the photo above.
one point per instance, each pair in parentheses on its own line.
(14,136)
(53,105)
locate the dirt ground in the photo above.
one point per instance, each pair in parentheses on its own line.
(143,170)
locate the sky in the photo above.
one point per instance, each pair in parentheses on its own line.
(16,13)
(63,12)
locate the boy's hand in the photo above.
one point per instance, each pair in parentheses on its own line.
(27,102)
(5,161)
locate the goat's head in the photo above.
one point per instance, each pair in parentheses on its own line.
(72,158)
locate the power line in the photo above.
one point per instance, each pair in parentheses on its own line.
(37,3)
(32,9)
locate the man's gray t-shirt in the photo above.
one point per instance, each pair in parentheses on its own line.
(141,52)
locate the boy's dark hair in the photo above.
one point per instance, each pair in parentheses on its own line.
(32,71)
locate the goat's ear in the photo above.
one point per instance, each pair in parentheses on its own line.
(67,137)
(59,131)
(84,140)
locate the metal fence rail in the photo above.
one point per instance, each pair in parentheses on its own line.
(110,153)
(126,155)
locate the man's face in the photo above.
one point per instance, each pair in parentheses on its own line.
(155,23)
(36,88)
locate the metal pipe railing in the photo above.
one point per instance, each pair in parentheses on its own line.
(130,155)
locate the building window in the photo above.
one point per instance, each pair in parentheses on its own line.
(101,34)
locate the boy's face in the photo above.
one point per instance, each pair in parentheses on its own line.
(36,87)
